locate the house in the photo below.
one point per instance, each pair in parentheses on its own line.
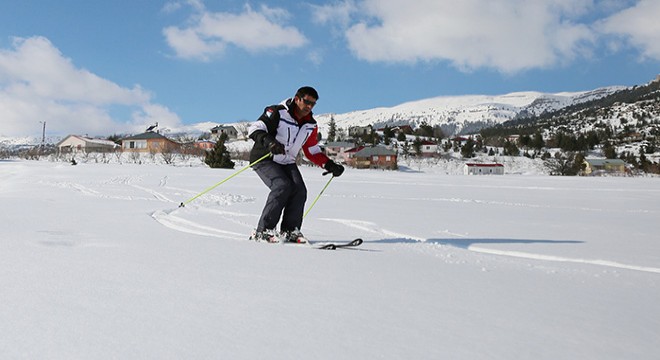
(204,144)
(148,142)
(406,129)
(358,131)
(230,130)
(429,148)
(376,157)
(338,150)
(604,166)
(459,140)
(74,143)
(483,169)
(350,153)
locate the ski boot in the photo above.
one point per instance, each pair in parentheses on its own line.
(268,236)
(294,236)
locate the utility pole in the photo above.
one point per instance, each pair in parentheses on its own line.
(43,137)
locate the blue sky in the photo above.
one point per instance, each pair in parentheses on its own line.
(103,67)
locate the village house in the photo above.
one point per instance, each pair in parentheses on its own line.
(406,129)
(483,169)
(148,142)
(377,157)
(350,153)
(75,143)
(459,141)
(604,166)
(230,130)
(429,148)
(358,131)
(338,150)
(204,144)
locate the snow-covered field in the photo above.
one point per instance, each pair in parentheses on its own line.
(98,262)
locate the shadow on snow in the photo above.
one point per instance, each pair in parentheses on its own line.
(466,243)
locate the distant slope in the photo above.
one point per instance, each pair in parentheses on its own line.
(464,114)
(629,113)
(453,114)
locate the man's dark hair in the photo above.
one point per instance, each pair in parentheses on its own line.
(307,90)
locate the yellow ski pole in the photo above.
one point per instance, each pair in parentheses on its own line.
(224,181)
(318,196)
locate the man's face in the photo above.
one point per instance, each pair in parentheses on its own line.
(305,105)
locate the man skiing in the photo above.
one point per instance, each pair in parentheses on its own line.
(284,130)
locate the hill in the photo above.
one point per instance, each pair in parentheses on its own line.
(466,114)
(635,109)
(623,124)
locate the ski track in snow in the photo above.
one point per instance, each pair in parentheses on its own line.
(374,228)
(159,196)
(490,202)
(103,193)
(180,224)
(233,217)
(531,256)
(85,190)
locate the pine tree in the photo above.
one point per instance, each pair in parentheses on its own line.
(219,156)
(511,149)
(609,151)
(417,146)
(332,133)
(537,141)
(467,150)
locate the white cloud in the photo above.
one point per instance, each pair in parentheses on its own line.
(173,6)
(154,113)
(315,57)
(209,33)
(638,25)
(189,44)
(37,83)
(506,35)
(338,13)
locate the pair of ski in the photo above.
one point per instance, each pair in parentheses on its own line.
(327,246)
(334,246)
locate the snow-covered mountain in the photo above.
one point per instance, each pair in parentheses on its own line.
(453,114)
(17,143)
(463,114)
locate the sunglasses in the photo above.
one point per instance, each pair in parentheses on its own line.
(309,102)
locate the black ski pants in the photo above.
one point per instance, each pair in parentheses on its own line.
(287,194)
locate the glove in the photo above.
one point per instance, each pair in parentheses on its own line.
(333,168)
(274,146)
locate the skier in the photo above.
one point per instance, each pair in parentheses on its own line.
(283,130)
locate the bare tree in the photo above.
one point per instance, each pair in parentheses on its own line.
(168,154)
(242,129)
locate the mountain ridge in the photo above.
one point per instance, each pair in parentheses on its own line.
(463,114)
(455,114)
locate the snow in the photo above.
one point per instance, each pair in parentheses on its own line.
(462,111)
(98,262)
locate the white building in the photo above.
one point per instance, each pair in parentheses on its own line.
(73,143)
(230,130)
(483,169)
